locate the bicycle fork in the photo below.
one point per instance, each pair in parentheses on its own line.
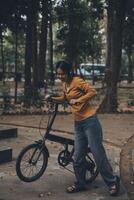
(40,147)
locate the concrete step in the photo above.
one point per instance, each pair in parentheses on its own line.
(6,132)
(5,154)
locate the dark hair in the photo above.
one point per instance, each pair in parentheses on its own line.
(65,67)
(68,69)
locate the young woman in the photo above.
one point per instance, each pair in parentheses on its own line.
(88,131)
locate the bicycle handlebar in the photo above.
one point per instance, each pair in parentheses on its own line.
(53,101)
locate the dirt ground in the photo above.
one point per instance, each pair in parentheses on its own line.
(118,131)
(117,128)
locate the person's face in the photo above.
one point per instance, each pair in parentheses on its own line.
(62,75)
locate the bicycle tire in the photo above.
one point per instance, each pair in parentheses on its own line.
(35,148)
(91,168)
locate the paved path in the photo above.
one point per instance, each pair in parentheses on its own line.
(52,185)
(127,166)
(117,128)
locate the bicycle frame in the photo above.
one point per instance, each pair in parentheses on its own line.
(65,156)
(56,138)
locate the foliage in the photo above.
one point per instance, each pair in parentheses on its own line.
(131,100)
(128,39)
(33,98)
(78,37)
(9,50)
(128,29)
(86,29)
(6,98)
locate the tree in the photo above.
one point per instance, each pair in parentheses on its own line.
(116,15)
(43,42)
(78,31)
(128,39)
(51,42)
(2,51)
(6,11)
(31,45)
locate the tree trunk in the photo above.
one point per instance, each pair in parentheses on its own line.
(31,47)
(43,44)
(51,45)
(16,62)
(130,68)
(109,37)
(74,24)
(116,12)
(2,55)
(34,44)
(28,52)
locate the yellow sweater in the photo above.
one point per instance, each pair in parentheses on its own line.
(83,92)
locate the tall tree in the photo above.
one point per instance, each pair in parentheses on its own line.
(51,42)
(70,19)
(35,9)
(116,16)
(16,56)
(74,25)
(6,10)
(2,51)
(31,45)
(128,39)
(78,31)
(43,42)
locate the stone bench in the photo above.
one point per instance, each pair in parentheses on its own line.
(7,132)
(5,154)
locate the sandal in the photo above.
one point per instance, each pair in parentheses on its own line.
(114,189)
(75,188)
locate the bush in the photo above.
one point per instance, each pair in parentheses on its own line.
(32,97)
(5,96)
(131,100)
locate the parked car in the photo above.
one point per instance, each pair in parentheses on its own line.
(96,71)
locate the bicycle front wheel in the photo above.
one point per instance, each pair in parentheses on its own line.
(31,163)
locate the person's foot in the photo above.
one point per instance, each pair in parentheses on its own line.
(75,188)
(114,189)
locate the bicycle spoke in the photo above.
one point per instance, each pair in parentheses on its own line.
(32,167)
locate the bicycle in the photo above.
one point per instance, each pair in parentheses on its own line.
(33,159)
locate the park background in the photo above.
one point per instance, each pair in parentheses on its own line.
(96,36)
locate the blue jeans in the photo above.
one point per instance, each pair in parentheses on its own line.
(88,132)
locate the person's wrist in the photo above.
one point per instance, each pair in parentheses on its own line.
(77,101)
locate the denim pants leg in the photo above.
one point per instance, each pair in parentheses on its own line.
(80,145)
(89,130)
(93,131)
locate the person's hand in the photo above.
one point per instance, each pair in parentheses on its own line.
(48,98)
(74,101)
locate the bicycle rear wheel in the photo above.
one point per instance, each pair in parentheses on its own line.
(91,168)
(31,163)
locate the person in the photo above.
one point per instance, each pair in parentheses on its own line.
(88,131)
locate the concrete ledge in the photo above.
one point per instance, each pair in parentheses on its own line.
(126,167)
(7,132)
(5,154)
